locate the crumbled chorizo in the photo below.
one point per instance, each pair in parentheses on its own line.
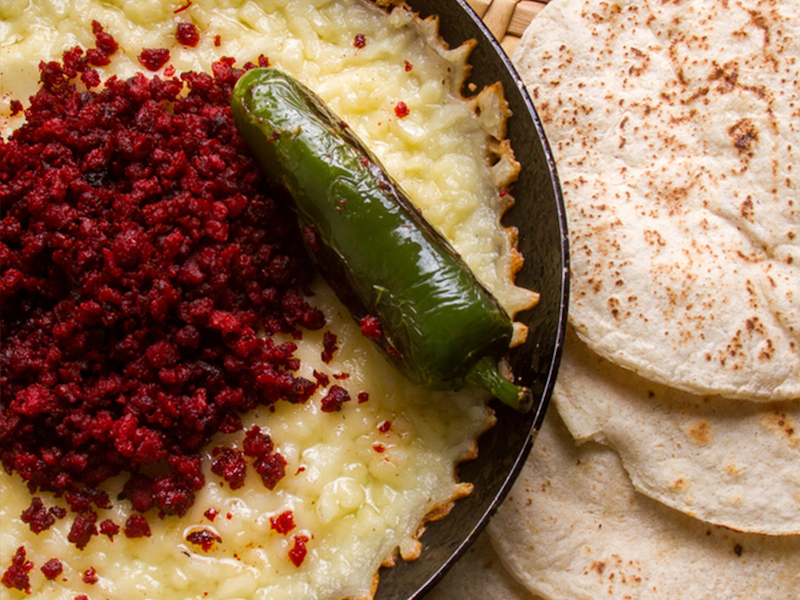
(333,400)
(140,252)
(283,523)
(16,575)
(52,569)
(187,34)
(204,538)
(298,552)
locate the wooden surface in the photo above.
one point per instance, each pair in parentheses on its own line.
(507,19)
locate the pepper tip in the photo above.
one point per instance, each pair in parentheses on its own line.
(525,400)
(485,374)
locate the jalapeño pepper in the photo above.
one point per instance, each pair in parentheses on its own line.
(439,326)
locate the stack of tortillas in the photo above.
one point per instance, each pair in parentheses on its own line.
(669,463)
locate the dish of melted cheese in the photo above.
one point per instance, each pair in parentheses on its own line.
(359,491)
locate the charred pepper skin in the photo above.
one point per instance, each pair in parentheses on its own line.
(440,326)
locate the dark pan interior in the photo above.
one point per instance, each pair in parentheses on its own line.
(539,215)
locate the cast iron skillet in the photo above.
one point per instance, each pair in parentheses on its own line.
(539,215)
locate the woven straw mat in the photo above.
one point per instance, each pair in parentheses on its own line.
(507,19)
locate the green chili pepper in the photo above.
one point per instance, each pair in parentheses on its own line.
(438,324)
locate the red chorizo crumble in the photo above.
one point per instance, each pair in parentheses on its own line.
(332,402)
(322,378)
(401,110)
(52,568)
(329,346)
(82,500)
(83,529)
(203,538)
(109,528)
(37,516)
(257,444)
(139,254)
(359,41)
(272,468)
(153,58)
(90,576)
(283,523)
(230,465)
(105,46)
(363,397)
(297,554)
(407,65)
(210,514)
(16,575)
(371,327)
(137,526)
(187,34)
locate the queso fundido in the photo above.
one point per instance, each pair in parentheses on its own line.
(262,448)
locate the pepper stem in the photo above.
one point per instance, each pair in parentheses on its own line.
(486,375)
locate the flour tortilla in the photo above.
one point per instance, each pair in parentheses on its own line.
(573,528)
(676,135)
(479,575)
(728,462)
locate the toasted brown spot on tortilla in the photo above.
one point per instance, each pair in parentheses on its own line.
(747,208)
(701,433)
(732,469)
(744,135)
(680,484)
(768,351)
(781,423)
